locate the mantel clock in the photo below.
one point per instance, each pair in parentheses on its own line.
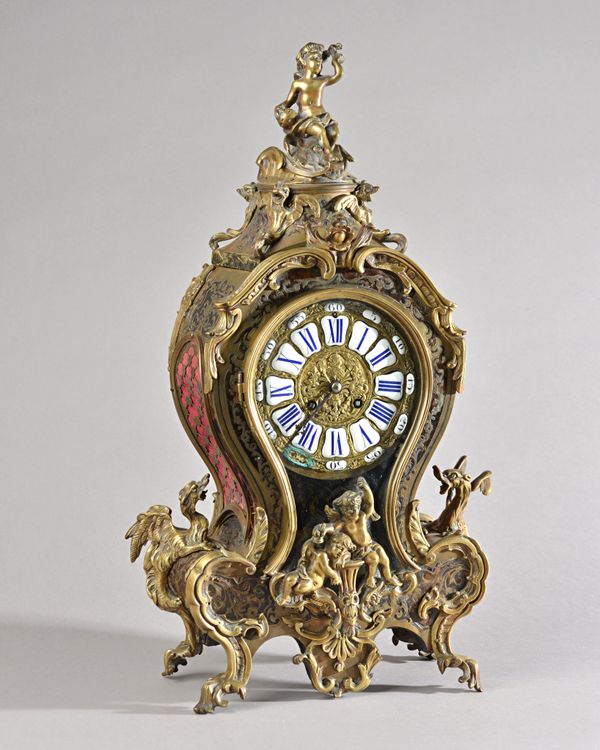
(314,366)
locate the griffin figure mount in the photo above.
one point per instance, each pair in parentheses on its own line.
(314,366)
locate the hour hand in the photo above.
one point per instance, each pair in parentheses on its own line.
(313,413)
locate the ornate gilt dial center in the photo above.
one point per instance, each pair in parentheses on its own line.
(334,382)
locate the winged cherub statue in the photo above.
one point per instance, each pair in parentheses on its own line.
(321,558)
(312,125)
(350,513)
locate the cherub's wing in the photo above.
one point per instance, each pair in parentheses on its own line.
(332,515)
(368,501)
(483,482)
(461,464)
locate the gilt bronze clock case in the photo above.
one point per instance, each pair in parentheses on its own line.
(314,366)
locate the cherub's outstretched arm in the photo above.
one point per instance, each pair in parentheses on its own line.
(336,60)
(368,504)
(321,530)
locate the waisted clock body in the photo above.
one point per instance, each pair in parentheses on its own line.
(314,366)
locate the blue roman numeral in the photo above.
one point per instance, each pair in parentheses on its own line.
(392,386)
(308,339)
(284,390)
(289,417)
(336,444)
(362,338)
(380,411)
(336,329)
(281,358)
(368,440)
(380,357)
(307,436)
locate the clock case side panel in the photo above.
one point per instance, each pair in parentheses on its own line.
(232,501)
(235,512)
(267,492)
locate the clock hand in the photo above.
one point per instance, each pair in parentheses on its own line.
(335,387)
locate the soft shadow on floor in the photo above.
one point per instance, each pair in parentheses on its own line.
(405,659)
(56,666)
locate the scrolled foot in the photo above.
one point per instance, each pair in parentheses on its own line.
(177,657)
(191,645)
(213,691)
(172,663)
(469,667)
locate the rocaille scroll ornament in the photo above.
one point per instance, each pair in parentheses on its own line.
(314,366)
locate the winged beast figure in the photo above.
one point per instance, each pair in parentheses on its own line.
(168,543)
(457,485)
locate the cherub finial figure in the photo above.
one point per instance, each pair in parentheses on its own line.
(312,121)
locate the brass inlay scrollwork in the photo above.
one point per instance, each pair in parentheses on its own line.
(230,310)
(440,308)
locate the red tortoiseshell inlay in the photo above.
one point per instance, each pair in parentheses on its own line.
(191,398)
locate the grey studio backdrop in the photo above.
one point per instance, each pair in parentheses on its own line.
(126,128)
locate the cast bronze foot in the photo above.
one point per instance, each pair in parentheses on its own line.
(177,657)
(445,657)
(212,693)
(190,646)
(469,667)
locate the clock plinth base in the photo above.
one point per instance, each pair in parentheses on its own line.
(334,603)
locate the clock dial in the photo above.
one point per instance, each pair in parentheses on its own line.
(335,387)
